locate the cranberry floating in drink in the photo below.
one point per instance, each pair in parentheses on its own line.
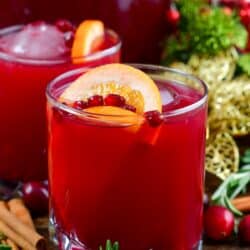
(31,56)
(130,175)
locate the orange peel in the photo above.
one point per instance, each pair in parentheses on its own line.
(135,86)
(88,37)
(116,116)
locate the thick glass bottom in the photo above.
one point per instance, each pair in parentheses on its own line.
(65,241)
(70,242)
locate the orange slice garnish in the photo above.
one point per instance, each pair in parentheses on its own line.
(116,116)
(135,86)
(88,37)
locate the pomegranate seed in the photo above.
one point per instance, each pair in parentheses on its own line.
(154,118)
(218,223)
(69,38)
(129,107)
(96,100)
(114,100)
(244,230)
(64,25)
(80,105)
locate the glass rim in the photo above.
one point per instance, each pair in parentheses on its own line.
(171,113)
(91,57)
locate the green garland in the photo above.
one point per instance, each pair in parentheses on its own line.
(203,30)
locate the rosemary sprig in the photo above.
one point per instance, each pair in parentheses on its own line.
(5,247)
(245,159)
(231,187)
(109,246)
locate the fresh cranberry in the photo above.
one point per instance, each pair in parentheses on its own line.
(96,100)
(69,37)
(80,105)
(172,16)
(154,118)
(245,16)
(244,230)
(35,195)
(130,108)
(64,25)
(114,100)
(218,223)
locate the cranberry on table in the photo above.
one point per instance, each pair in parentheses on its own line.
(244,230)
(36,197)
(218,223)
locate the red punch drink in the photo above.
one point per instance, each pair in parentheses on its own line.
(126,158)
(30,57)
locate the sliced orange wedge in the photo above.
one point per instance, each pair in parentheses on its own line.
(135,86)
(89,35)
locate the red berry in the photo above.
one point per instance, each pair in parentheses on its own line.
(80,105)
(96,100)
(130,108)
(243,3)
(154,118)
(114,100)
(36,196)
(64,25)
(218,223)
(172,16)
(245,16)
(69,37)
(244,230)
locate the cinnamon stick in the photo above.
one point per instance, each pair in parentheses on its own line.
(15,228)
(242,203)
(17,207)
(15,237)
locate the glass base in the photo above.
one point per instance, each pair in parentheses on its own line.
(70,242)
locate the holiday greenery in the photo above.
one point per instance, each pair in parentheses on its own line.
(110,246)
(203,30)
(244,64)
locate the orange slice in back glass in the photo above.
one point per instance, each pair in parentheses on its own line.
(89,36)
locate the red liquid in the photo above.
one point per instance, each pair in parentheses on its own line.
(23,128)
(143,189)
(126,17)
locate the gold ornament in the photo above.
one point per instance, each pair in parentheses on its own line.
(222,155)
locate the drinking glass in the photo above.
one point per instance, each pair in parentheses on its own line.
(120,179)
